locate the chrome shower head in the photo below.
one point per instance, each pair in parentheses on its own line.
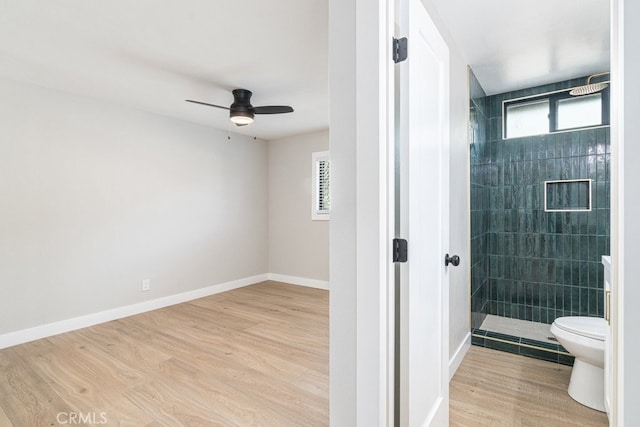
(589,88)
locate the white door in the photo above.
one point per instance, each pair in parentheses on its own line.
(424,220)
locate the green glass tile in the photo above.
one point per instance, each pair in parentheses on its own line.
(503,337)
(544,314)
(511,295)
(575,299)
(539,354)
(477,341)
(603,221)
(528,313)
(542,344)
(574,167)
(599,274)
(502,346)
(551,271)
(542,295)
(592,168)
(535,294)
(567,302)
(575,144)
(559,291)
(513,311)
(500,308)
(567,270)
(521,312)
(593,301)
(584,301)
(601,140)
(528,293)
(541,147)
(565,360)
(575,274)
(588,139)
(536,313)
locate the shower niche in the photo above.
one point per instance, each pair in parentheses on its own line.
(569,195)
(539,214)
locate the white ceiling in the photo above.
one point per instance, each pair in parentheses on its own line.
(524,43)
(154,54)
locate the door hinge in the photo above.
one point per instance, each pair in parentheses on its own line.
(399,49)
(400,250)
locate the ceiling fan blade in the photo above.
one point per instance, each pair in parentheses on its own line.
(273,109)
(210,105)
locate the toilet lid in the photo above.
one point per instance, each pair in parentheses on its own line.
(592,327)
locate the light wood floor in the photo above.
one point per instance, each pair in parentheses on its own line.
(493,388)
(253,356)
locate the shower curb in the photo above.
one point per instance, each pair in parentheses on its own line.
(522,346)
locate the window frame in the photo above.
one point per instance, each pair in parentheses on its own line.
(522,102)
(554,98)
(316,213)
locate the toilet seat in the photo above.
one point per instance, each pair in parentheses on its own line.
(590,327)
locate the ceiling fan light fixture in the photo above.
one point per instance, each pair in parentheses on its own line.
(241,112)
(241,118)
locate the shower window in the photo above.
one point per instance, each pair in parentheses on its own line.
(579,111)
(527,118)
(554,112)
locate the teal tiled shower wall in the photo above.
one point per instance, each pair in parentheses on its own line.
(538,265)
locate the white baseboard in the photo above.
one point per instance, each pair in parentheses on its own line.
(19,337)
(300,281)
(462,350)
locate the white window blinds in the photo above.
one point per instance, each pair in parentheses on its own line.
(321,191)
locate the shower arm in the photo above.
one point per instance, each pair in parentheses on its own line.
(597,75)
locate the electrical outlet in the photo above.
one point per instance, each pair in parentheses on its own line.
(146,285)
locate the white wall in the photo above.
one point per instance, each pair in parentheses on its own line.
(298,246)
(626,69)
(95,197)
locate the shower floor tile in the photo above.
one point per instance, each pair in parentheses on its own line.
(518,328)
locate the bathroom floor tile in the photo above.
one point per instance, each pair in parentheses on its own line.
(519,328)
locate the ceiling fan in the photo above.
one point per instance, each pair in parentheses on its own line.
(241,112)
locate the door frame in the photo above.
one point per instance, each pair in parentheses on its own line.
(625,207)
(361,299)
(361,271)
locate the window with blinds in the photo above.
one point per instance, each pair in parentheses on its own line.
(321,191)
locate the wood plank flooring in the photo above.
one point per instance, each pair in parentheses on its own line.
(493,388)
(253,356)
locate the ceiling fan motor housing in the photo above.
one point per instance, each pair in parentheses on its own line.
(241,104)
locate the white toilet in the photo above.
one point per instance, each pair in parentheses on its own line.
(583,337)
